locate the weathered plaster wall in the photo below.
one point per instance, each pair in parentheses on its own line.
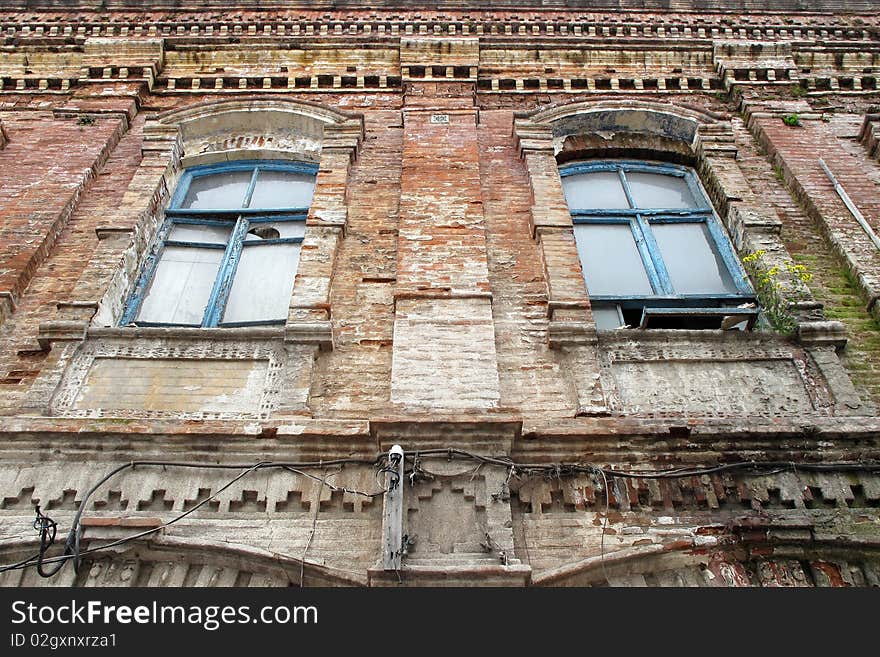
(439,302)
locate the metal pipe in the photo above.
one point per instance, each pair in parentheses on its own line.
(847,201)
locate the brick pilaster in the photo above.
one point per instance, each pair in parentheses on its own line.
(571,329)
(443,330)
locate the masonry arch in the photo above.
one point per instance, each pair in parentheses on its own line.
(170,562)
(590,132)
(207,134)
(277,128)
(687,563)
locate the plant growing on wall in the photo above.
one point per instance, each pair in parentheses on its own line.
(774,304)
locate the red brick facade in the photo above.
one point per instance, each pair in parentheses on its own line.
(439,300)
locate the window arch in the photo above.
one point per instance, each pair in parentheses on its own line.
(227,252)
(652,251)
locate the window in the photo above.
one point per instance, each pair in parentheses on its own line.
(652,251)
(228,250)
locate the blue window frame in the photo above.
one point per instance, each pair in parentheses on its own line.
(652,250)
(227,252)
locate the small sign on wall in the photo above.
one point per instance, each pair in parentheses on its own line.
(440,118)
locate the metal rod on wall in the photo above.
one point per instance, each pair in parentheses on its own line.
(847,201)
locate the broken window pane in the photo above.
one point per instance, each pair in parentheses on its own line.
(282,189)
(201,251)
(203,234)
(607,317)
(694,266)
(218,191)
(594,191)
(263,232)
(611,261)
(654,190)
(263,283)
(181,286)
(281,229)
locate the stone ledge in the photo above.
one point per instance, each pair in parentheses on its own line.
(441,293)
(698,440)
(119,521)
(567,307)
(822,334)
(496,431)
(481,576)
(78,311)
(753,218)
(7,305)
(562,333)
(187,333)
(60,331)
(691,439)
(105,439)
(105,232)
(868,134)
(315,333)
(696,336)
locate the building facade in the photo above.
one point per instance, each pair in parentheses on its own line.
(606,273)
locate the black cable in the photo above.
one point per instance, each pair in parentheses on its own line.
(20,564)
(558,469)
(48,528)
(604,526)
(334,487)
(76,554)
(74,535)
(72,550)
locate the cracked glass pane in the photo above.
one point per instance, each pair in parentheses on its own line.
(281,229)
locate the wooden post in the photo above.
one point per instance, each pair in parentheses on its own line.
(392,513)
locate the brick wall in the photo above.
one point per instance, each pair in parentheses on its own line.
(440,303)
(833,284)
(49,161)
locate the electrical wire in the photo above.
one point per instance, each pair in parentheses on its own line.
(333,487)
(72,545)
(77,554)
(20,564)
(557,470)
(562,469)
(604,525)
(48,528)
(315,511)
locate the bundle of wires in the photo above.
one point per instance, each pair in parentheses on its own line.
(47,527)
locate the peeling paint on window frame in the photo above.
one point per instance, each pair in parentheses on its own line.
(640,220)
(239,220)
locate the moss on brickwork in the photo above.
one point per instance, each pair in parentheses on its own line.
(832,284)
